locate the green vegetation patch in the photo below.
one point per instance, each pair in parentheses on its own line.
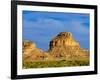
(56,63)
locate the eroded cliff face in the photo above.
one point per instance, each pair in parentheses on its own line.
(63,39)
(63,46)
(28,47)
(32,53)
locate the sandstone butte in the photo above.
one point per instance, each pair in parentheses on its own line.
(62,47)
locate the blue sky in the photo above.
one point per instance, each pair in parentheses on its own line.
(41,27)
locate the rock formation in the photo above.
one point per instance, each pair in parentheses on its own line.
(63,39)
(28,47)
(31,53)
(63,46)
(66,47)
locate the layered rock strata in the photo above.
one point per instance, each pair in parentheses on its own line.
(63,46)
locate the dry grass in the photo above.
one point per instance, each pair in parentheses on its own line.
(56,63)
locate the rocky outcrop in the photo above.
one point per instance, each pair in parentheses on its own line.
(63,39)
(63,46)
(28,47)
(31,53)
